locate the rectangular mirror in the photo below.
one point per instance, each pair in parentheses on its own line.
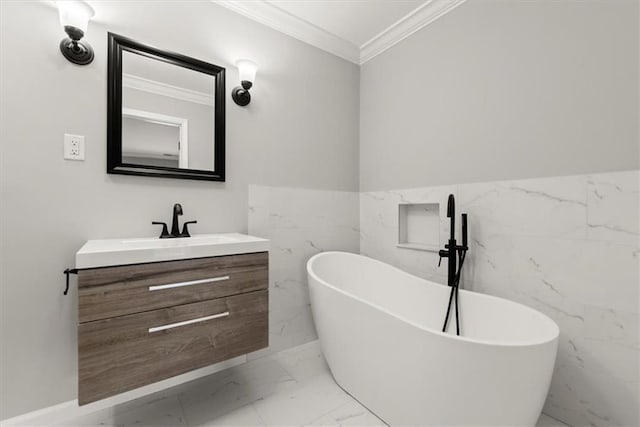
(166,113)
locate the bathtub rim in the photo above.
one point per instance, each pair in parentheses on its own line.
(524,343)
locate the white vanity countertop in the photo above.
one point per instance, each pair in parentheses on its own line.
(109,252)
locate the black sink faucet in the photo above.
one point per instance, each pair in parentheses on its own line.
(455,256)
(175,227)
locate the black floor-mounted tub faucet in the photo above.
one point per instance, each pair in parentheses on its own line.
(455,255)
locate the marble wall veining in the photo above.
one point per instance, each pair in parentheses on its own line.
(299,223)
(567,246)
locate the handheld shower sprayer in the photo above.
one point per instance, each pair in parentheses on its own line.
(464,230)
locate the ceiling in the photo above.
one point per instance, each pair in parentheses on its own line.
(356,21)
(356,30)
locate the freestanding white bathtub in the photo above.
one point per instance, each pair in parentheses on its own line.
(379,329)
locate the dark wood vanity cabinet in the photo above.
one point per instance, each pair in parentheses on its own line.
(142,323)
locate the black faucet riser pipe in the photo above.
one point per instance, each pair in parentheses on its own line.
(452,262)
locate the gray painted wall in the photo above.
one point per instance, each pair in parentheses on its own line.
(300,130)
(503,89)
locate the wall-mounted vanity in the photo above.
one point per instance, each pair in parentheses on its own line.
(151,309)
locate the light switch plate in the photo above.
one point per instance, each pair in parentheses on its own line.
(73,147)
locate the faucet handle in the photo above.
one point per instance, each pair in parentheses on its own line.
(165,232)
(443,254)
(185,229)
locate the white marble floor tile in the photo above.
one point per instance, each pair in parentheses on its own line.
(165,412)
(300,406)
(351,413)
(157,413)
(547,421)
(245,416)
(290,388)
(303,362)
(233,389)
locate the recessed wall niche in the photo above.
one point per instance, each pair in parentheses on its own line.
(419,226)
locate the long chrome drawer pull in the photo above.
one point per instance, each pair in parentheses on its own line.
(193,282)
(187,322)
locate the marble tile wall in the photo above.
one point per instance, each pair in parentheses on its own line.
(299,223)
(567,246)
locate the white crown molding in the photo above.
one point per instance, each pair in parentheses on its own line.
(159,88)
(281,20)
(409,24)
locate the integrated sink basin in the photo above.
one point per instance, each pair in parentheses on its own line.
(199,239)
(108,252)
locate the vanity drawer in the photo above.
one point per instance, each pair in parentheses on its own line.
(116,291)
(123,353)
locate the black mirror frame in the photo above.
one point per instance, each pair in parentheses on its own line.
(116,45)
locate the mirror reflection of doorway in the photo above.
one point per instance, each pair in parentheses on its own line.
(154,139)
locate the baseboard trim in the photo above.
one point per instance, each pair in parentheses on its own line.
(67,410)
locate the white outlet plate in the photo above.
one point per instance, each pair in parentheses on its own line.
(73,147)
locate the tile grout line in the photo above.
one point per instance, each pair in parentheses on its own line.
(331,410)
(554,418)
(255,410)
(184,413)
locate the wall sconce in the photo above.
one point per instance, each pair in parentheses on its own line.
(247,71)
(74,18)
